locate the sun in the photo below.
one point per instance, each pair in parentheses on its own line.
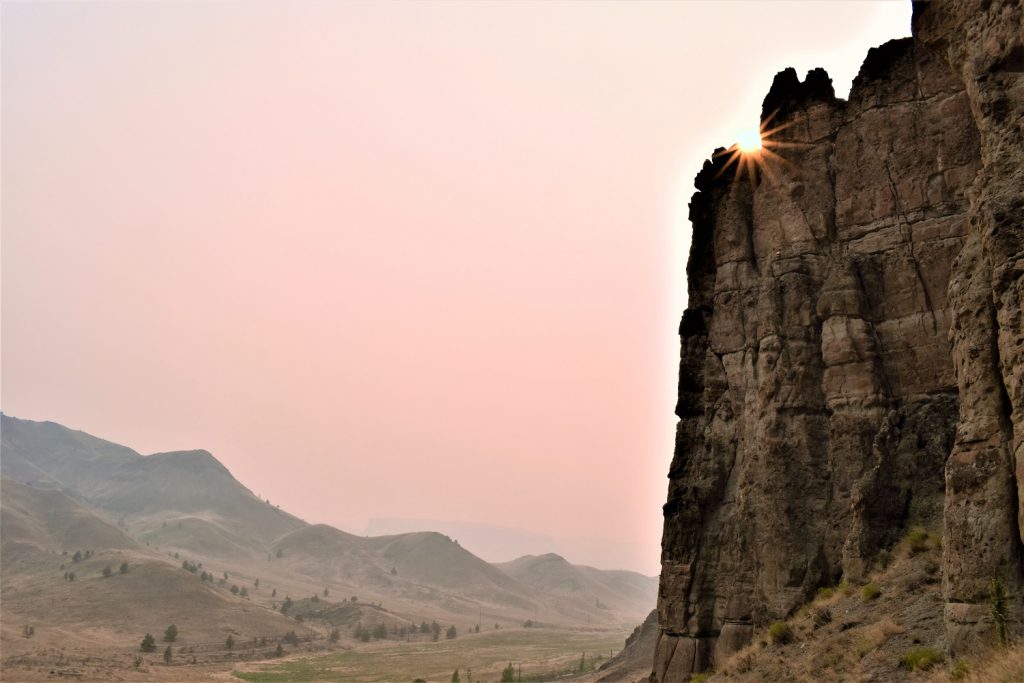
(749,140)
(753,154)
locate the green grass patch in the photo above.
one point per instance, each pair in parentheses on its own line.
(917,540)
(922,658)
(871,591)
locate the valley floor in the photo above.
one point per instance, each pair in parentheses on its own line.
(540,654)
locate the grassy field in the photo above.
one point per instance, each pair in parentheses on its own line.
(544,654)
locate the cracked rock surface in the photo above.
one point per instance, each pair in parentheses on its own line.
(852,358)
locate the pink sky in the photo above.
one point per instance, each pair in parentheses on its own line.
(382,259)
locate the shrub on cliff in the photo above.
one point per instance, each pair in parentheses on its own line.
(870,591)
(780,633)
(921,658)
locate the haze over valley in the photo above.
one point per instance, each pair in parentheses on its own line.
(201,551)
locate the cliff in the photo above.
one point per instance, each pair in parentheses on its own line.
(851,358)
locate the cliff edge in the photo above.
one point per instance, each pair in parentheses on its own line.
(852,358)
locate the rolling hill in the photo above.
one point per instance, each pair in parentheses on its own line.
(65,491)
(148,495)
(55,552)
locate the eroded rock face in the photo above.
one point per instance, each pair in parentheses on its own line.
(851,357)
(984,520)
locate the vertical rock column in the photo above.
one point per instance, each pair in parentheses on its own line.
(984,520)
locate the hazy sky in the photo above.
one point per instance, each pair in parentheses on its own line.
(382,259)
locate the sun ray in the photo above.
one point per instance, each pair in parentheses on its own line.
(754,153)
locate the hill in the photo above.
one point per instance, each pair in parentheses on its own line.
(41,521)
(588,594)
(150,496)
(55,553)
(167,511)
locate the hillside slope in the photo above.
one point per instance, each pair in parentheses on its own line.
(590,594)
(44,533)
(148,495)
(186,506)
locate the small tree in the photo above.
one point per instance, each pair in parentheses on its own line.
(107,571)
(273,593)
(287,605)
(124,568)
(170,633)
(508,674)
(451,632)
(71,576)
(335,635)
(380,631)
(435,630)
(229,643)
(234,589)
(244,592)
(455,676)
(279,652)
(28,631)
(256,583)
(167,655)
(424,627)
(148,643)
(77,557)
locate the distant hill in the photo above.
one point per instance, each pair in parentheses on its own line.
(156,512)
(495,543)
(589,593)
(145,493)
(426,567)
(487,541)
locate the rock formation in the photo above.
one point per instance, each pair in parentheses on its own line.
(852,358)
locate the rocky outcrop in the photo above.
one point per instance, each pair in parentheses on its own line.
(850,362)
(984,522)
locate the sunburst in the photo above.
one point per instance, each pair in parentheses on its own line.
(753,153)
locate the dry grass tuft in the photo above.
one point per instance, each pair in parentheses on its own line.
(998,665)
(874,636)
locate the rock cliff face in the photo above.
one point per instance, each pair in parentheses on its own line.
(852,359)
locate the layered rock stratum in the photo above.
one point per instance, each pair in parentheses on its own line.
(852,354)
